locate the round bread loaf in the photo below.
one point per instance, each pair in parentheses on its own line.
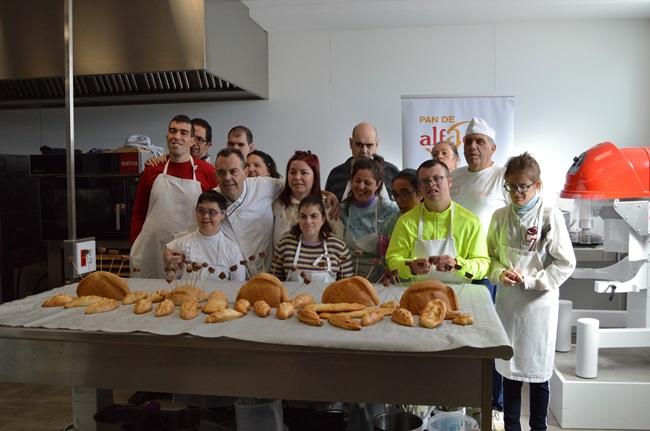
(266,287)
(351,290)
(418,295)
(104,284)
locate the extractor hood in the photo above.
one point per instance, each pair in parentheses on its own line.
(131,51)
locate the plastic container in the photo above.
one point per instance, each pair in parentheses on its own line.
(262,415)
(452,421)
(397,421)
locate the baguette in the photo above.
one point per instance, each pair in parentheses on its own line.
(335,308)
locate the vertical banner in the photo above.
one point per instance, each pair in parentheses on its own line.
(427,120)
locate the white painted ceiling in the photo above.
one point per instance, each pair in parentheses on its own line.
(301,15)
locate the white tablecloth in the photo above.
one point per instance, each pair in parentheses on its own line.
(486,332)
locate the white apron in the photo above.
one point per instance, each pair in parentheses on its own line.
(316,275)
(171,211)
(368,243)
(438,247)
(528,316)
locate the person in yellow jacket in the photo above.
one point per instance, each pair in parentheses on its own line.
(441,229)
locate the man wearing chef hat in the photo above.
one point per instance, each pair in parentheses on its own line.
(479,188)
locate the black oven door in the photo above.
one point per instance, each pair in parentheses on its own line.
(103,207)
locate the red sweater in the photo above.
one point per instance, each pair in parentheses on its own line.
(205,174)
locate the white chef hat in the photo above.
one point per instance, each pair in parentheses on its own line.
(479,125)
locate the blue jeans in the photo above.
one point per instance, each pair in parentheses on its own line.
(497,387)
(539,397)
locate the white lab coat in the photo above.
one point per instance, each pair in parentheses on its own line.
(249,220)
(480,192)
(529,310)
(218,251)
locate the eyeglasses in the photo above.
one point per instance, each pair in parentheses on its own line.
(211,213)
(519,188)
(201,140)
(437,179)
(403,194)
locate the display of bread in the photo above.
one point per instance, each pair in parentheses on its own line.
(102,306)
(57,300)
(264,287)
(403,317)
(104,284)
(83,301)
(433,314)
(418,295)
(352,290)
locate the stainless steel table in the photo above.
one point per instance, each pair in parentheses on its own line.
(221,366)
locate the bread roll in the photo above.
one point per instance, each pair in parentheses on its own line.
(158,296)
(345,322)
(242,305)
(102,306)
(223,316)
(285,310)
(371,318)
(353,290)
(418,295)
(57,300)
(433,314)
(189,309)
(104,284)
(262,308)
(463,319)
(264,287)
(143,306)
(403,317)
(301,300)
(164,308)
(134,297)
(215,303)
(309,317)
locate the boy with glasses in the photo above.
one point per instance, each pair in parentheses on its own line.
(207,244)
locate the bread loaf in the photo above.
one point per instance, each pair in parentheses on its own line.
(418,295)
(264,287)
(352,290)
(104,284)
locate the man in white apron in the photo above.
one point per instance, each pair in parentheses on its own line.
(440,229)
(249,216)
(165,200)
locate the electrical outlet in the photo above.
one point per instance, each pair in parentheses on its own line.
(80,257)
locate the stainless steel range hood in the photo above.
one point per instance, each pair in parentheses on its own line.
(131,51)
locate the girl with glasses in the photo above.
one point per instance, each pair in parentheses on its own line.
(530,257)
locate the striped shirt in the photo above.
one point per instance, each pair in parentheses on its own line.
(285,251)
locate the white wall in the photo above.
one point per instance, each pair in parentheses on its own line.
(575,84)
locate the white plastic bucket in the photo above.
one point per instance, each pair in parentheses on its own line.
(452,421)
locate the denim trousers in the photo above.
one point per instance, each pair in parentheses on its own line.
(539,397)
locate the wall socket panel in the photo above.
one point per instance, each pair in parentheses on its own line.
(79,257)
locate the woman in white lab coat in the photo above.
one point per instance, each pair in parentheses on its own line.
(531,256)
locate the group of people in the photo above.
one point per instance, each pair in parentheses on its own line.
(481,224)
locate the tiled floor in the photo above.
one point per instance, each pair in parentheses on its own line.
(47,408)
